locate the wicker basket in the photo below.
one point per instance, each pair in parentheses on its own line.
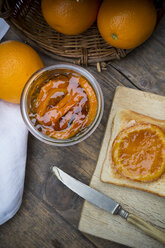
(25,17)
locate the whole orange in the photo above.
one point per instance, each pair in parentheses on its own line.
(70,17)
(126,23)
(18,62)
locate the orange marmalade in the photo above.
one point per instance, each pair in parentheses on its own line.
(63,106)
(138,152)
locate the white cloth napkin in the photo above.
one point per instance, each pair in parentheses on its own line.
(13,150)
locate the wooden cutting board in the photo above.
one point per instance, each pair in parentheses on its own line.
(146,205)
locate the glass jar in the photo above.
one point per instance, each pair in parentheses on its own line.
(45,74)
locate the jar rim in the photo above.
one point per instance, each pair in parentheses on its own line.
(82,135)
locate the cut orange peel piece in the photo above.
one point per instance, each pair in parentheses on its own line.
(92,100)
(44,103)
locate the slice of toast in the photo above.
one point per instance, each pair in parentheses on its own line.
(123,119)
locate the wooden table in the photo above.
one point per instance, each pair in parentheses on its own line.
(50,213)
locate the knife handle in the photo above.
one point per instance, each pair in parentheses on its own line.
(147,228)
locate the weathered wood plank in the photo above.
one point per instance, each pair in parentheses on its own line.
(36,226)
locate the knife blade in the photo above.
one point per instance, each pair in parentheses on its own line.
(4,27)
(88,193)
(106,203)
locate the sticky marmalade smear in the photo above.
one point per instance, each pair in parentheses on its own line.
(64,106)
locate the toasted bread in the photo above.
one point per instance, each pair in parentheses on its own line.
(124,119)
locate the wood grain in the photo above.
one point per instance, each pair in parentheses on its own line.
(49,211)
(41,227)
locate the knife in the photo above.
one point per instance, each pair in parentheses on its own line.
(106,203)
(4,27)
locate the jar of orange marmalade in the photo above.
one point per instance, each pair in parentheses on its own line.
(62,104)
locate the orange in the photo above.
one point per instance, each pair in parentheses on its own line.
(126,24)
(70,17)
(18,62)
(138,152)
